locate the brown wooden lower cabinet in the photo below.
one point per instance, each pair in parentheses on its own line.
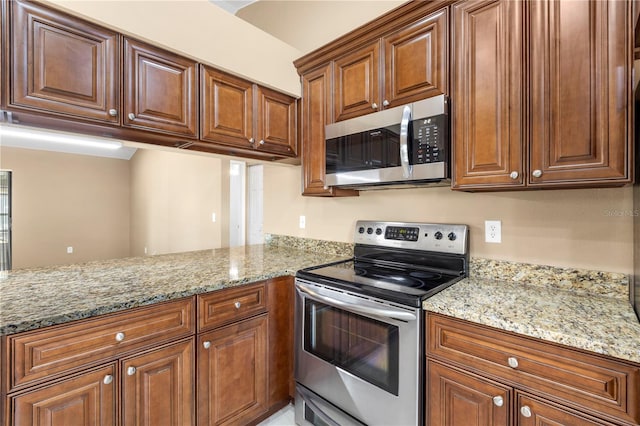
(158,387)
(533,412)
(88,399)
(232,373)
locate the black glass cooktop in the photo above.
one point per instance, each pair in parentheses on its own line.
(404,284)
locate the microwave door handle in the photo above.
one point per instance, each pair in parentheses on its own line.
(404,142)
(387,313)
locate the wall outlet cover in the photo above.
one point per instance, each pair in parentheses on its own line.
(492,231)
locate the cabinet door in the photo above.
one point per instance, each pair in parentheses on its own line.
(160,90)
(357,82)
(487,134)
(416,61)
(85,400)
(580,91)
(276,122)
(456,398)
(226,108)
(63,65)
(158,387)
(316,113)
(232,373)
(533,412)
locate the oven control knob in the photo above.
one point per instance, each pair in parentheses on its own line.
(378,231)
(438,235)
(452,236)
(361,230)
(369,231)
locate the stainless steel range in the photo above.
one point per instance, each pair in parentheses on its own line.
(359,338)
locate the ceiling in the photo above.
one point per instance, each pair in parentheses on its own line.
(232,6)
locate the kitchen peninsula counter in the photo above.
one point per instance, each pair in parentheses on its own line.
(35,298)
(580,309)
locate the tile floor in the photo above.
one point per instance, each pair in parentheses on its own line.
(283,417)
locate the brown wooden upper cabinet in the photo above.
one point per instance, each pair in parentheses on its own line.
(550,113)
(62,65)
(406,65)
(160,90)
(241,114)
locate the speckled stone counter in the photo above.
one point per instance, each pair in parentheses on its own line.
(582,309)
(34,298)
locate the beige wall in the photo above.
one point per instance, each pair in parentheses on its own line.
(172,198)
(201,30)
(572,228)
(62,200)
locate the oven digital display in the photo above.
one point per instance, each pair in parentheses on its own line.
(401,233)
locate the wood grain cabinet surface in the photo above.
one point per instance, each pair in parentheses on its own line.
(63,65)
(230,305)
(573,381)
(160,90)
(551,112)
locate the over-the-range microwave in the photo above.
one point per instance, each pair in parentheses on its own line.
(400,146)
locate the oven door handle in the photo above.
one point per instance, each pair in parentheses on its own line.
(404,142)
(352,306)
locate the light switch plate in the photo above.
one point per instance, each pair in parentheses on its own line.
(303,222)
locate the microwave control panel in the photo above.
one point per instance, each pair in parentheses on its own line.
(430,140)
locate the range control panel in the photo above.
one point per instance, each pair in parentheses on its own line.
(438,237)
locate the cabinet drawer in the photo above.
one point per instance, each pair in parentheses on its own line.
(226,306)
(43,354)
(589,382)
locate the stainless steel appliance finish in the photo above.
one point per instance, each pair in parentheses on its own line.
(359,334)
(403,145)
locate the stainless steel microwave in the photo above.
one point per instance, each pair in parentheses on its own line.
(405,145)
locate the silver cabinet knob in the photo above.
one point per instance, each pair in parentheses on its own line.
(513,362)
(525,411)
(237,305)
(374,105)
(113,112)
(131,371)
(131,116)
(261,142)
(537,173)
(385,103)
(514,175)
(206,344)
(498,401)
(107,379)
(119,337)
(251,140)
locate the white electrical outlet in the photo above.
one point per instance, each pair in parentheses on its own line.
(492,231)
(69,250)
(213,217)
(303,222)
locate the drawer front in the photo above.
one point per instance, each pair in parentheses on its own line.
(43,354)
(589,382)
(226,306)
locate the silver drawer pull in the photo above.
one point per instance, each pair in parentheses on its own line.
(525,411)
(237,305)
(119,337)
(498,401)
(113,112)
(131,371)
(107,379)
(206,344)
(132,116)
(513,362)
(537,173)
(514,175)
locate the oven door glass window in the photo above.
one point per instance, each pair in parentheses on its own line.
(365,347)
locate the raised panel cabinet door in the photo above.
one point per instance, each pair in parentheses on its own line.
(487,132)
(276,122)
(455,398)
(356,88)
(416,61)
(63,65)
(226,108)
(581,54)
(160,90)
(232,373)
(158,387)
(85,400)
(534,412)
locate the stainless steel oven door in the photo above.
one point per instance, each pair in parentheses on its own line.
(358,353)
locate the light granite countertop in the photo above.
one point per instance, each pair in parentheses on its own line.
(35,298)
(580,309)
